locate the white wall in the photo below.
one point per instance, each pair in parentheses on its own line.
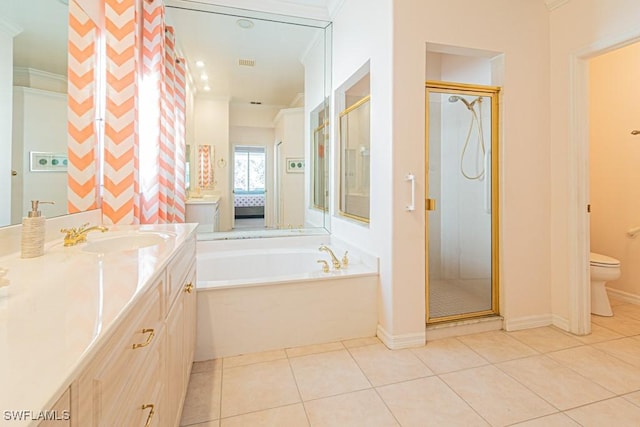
(40,125)
(356,41)
(314,95)
(289,128)
(595,26)
(211,127)
(614,155)
(520,31)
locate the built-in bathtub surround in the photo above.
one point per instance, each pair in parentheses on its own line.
(263,294)
(61,308)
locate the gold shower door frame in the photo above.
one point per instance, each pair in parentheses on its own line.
(491,92)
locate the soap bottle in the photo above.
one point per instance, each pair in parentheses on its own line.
(33,230)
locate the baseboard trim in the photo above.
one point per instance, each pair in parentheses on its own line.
(397,342)
(528,322)
(560,322)
(464,327)
(624,296)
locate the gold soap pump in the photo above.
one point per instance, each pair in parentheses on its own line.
(33,232)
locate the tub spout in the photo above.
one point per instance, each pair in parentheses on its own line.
(335,261)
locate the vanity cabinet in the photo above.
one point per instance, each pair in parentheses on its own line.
(140,374)
(181,330)
(204,211)
(61,412)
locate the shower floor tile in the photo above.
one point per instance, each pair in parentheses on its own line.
(453,297)
(536,377)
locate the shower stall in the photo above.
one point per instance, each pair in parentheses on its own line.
(462,201)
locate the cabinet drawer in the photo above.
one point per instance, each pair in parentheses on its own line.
(143,402)
(178,269)
(110,377)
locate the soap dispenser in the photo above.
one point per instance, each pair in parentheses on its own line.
(33,230)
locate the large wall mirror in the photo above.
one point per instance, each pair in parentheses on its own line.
(261,83)
(33,102)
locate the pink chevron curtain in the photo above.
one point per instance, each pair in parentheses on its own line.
(144,148)
(82,144)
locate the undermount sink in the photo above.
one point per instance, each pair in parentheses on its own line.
(125,242)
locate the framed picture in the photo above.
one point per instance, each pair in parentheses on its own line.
(295,165)
(48,162)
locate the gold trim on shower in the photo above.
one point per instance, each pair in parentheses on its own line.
(492,92)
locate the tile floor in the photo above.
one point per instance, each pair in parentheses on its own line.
(536,377)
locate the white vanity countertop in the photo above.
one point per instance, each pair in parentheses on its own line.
(59,306)
(204,199)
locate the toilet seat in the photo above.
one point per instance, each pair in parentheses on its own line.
(598,260)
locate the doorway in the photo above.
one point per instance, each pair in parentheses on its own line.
(462,201)
(249,186)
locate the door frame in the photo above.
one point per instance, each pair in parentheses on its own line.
(493,92)
(578,165)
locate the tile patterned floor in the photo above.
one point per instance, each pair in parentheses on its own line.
(451,297)
(537,377)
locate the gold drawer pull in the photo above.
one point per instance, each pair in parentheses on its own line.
(146,343)
(188,287)
(153,411)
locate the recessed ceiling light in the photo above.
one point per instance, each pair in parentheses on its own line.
(199,64)
(244,23)
(206,88)
(204,77)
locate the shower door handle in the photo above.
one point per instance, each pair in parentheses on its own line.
(430,204)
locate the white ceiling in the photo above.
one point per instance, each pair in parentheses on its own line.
(217,40)
(277,78)
(42,43)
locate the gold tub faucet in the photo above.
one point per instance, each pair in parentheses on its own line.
(335,261)
(74,235)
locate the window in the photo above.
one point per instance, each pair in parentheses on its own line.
(249,170)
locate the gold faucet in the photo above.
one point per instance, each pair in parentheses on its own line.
(73,235)
(345,259)
(325,265)
(336,263)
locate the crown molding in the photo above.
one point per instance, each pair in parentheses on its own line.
(554,4)
(9,28)
(309,9)
(333,6)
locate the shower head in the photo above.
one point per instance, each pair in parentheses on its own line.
(456,98)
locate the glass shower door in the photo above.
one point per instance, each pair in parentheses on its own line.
(461,202)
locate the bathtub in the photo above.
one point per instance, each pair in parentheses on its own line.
(264,294)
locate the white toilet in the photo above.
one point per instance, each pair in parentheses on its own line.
(603,269)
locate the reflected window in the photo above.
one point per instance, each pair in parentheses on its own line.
(249,170)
